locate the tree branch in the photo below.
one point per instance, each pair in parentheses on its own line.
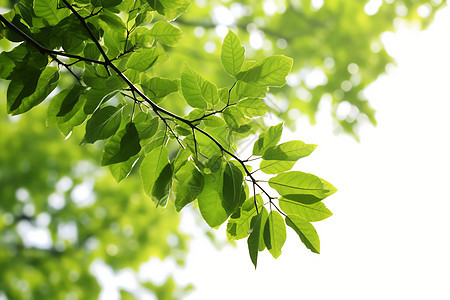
(157,109)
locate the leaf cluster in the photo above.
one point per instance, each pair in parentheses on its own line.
(113,50)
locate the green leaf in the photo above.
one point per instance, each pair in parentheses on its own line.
(29,88)
(77,117)
(141,38)
(232,185)
(166,33)
(121,146)
(147,129)
(96,97)
(111,20)
(271,71)
(103,124)
(152,166)
(268,139)
(265,215)
(48,9)
(121,170)
(247,90)
(65,105)
(298,186)
(328,186)
(234,118)
(143,59)
(210,200)
(156,88)
(253,239)
(114,40)
(305,231)
(275,166)
(253,107)
(169,8)
(274,233)
(214,121)
(289,151)
(308,212)
(190,185)
(180,160)
(232,54)
(197,91)
(238,227)
(110,3)
(8,64)
(162,186)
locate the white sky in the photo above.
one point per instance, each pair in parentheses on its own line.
(389,236)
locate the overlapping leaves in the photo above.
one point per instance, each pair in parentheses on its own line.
(115,87)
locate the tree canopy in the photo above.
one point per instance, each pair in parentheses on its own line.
(130,78)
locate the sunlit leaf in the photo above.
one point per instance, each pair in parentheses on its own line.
(197,91)
(166,33)
(290,151)
(143,59)
(275,166)
(156,88)
(298,186)
(121,170)
(190,185)
(268,139)
(152,166)
(161,188)
(274,233)
(210,200)
(270,71)
(232,54)
(48,9)
(309,212)
(253,107)
(306,232)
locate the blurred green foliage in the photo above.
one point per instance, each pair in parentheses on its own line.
(59,213)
